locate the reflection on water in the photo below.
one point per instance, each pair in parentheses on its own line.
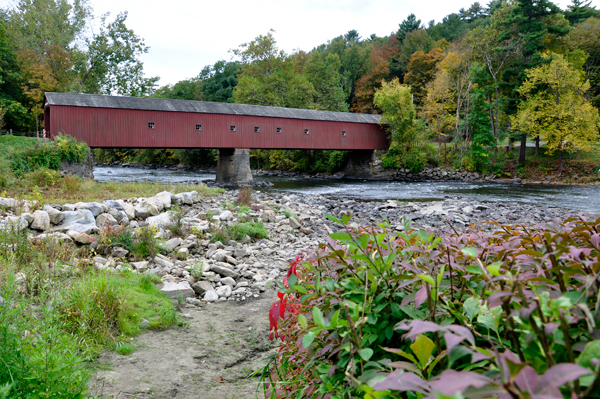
(571,197)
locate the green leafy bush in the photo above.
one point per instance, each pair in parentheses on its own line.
(381,314)
(237,232)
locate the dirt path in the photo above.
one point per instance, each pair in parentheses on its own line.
(224,343)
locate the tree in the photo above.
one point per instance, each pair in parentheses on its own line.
(410,24)
(580,10)
(421,69)
(323,72)
(555,108)
(188,89)
(395,101)
(112,64)
(13,113)
(584,36)
(529,23)
(451,28)
(268,77)
(219,80)
(416,40)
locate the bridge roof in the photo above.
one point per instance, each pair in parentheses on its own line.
(204,107)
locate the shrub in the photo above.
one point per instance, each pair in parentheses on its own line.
(44,177)
(178,228)
(72,184)
(381,314)
(146,244)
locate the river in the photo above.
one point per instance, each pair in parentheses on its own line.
(585,198)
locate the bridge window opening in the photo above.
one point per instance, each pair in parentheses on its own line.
(306,131)
(198,127)
(344,133)
(256,129)
(232,128)
(278,130)
(150,125)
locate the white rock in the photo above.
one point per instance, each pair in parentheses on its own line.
(148,207)
(162,220)
(228,281)
(55,215)
(294,223)
(41,221)
(211,296)
(140,266)
(178,290)
(226,215)
(165,198)
(224,291)
(81,220)
(163,261)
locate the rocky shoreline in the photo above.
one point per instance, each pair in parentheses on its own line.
(199,271)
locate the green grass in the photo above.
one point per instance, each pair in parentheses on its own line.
(237,232)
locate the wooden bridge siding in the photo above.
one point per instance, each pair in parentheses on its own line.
(124,128)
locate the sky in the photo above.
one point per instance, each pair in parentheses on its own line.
(186,35)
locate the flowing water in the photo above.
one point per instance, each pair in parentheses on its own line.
(586,198)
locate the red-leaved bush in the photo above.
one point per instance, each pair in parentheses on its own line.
(376,313)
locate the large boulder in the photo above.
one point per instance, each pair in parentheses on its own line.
(41,221)
(95,207)
(120,216)
(148,207)
(178,290)
(166,197)
(56,216)
(129,209)
(81,220)
(162,220)
(112,204)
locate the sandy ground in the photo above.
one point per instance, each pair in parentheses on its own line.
(211,358)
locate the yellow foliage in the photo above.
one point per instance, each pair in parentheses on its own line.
(555,108)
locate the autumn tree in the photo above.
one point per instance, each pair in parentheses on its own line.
(421,69)
(438,108)
(555,108)
(416,40)
(584,36)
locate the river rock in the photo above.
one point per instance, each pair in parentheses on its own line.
(112,204)
(173,243)
(148,207)
(95,207)
(28,217)
(119,252)
(184,198)
(178,290)
(80,237)
(105,221)
(224,271)
(81,220)
(41,221)
(129,210)
(211,296)
(224,291)
(14,222)
(8,202)
(163,261)
(226,215)
(294,223)
(120,216)
(55,215)
(228,281)
(162,220)
(140,266)
(165,197)
(202,287)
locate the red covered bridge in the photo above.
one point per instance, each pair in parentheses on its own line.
(131,122)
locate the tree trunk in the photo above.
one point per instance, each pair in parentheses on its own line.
(509,146)
(560,162)
(537,146)
(523,149)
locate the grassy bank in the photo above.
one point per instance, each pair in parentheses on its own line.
(58,313)
(29,169)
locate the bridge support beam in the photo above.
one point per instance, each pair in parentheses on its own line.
(233,166)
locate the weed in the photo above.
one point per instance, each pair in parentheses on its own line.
(124,348)
(178,228)
(244,196)
(146,244)
(72,184)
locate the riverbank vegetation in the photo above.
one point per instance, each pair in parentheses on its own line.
(377,313)
(58,313)
(30,169)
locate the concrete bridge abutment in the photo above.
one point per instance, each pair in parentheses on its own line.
(233,166)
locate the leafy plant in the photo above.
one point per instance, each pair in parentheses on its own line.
(375,313)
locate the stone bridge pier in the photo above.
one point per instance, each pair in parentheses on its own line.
(233,166)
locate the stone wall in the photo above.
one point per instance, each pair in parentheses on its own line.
(83,169)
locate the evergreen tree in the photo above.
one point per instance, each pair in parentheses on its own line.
(580,10)
(528,23)
(408,25)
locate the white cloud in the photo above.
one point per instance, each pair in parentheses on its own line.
(186,35)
